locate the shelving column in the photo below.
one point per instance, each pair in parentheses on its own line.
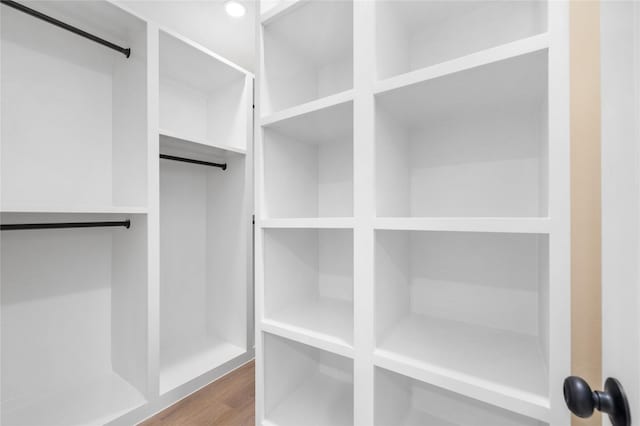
(364,210)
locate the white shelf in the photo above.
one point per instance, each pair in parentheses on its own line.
(404,401)
(271,9)
(39,209)
(203,98)
(506,359)
(308,54)
(473,60)
(74,113)
(321,122)
(412,35)
(310,338)
(483,224)
(184,144)
(95,401)
(322,320)
(508,366)
(306,386)
(512,81)
(183,361)
(470,144)
(306,222)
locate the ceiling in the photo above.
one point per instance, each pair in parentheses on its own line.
(207,23)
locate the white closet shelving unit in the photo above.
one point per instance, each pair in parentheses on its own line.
(412,212)
(111,324)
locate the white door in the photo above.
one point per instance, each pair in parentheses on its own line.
(620,81)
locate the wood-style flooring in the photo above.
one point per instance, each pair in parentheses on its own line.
(229,401)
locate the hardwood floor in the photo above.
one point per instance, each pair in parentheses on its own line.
(229,401)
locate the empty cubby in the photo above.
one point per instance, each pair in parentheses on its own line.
(411,35)
(204,223)
(473,143)
(73,111)
(308,164)
(308,54)
(441,296)
(305,385)
(74,320)
(403,401)
(308,276)
(202,97)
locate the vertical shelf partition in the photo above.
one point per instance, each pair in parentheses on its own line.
(457,127)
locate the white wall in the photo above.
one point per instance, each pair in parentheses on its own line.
(207,23)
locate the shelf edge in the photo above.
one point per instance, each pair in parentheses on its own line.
(201,142)
(82,210)
(307,337)
(319,223)
(508,398)
(524,225)
(308,107)
(473,60)
(279,10)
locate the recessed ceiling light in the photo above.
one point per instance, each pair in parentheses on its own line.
(235,9)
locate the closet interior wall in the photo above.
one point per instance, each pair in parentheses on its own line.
(110,324)
(411,213)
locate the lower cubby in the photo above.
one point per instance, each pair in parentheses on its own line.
(403,401)
(305,385)
(203,263)
(74,321)
(441,296)
(309,281)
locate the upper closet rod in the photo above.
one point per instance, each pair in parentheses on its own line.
(223,166)
(126,52)
(20,226)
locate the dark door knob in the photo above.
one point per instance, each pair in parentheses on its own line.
(582,401)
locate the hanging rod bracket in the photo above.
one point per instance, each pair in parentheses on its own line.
(223,166)
(22,8)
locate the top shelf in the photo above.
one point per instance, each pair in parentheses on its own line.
(306,109)
(468,62)
(73,210)
(516,80)
(178,143)
(272,9)
(191,64)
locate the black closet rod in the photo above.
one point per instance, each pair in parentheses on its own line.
(22,8)
(20,226)
(223,166)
